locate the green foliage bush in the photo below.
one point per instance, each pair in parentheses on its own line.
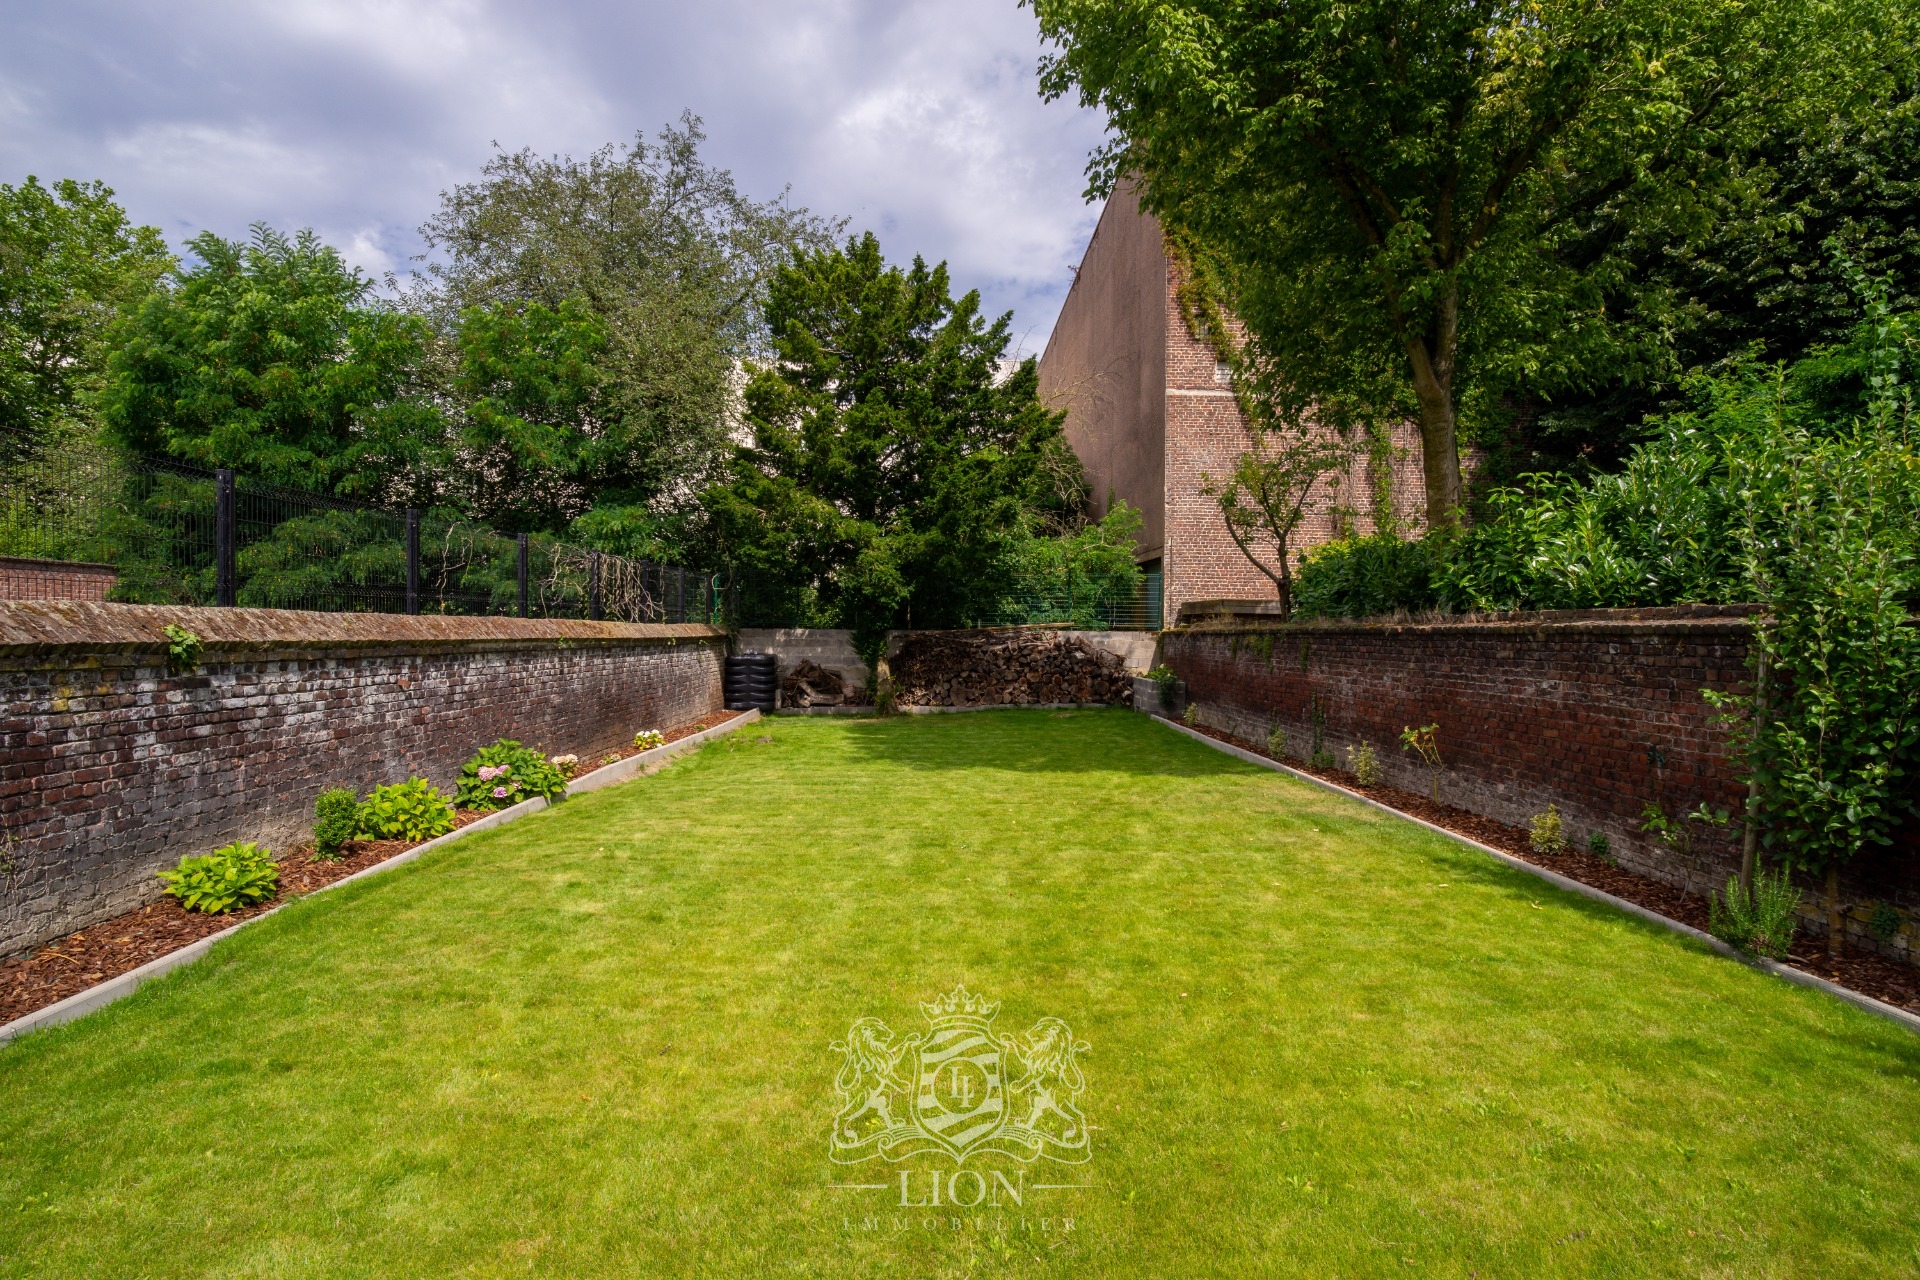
(506,773)
(1363,764)
(235,875)
(335,816)
(1547,833)
(1366,578)
(183,649)
(410,810)
(1168,683)
(1760,923)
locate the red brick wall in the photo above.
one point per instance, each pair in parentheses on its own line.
(1596,713)
(22,579)
(112,767)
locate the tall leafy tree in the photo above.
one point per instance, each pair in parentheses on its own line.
(271,355)
(1418,203)
(533,407)
(70,261)
(670,260)
(892,468)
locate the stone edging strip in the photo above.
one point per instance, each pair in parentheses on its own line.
(84,1002)
(1796,976)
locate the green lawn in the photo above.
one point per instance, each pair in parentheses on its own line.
(1321,1042)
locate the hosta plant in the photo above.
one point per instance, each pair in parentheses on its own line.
(410,810)
(235,875)
(506,773)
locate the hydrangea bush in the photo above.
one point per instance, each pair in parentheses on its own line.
(506,773)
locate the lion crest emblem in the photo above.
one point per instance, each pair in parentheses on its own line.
(959,1088)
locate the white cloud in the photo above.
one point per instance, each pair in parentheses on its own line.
(916,118)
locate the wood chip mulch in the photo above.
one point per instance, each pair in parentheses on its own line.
(110,948)
(605,758)
(1882,978)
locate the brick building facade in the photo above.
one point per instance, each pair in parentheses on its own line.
(1151,415)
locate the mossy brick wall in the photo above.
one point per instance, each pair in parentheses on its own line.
(1599,713)
(112,766)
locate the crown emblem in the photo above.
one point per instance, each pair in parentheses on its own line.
(959,1000)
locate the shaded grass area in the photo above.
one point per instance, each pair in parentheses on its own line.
(1322,1042)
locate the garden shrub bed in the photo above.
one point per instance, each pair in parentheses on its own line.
(87,957)
(1877,976)
(90,956)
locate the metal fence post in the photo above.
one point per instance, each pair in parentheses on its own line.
(680,594)
(521,575)
(226,585)
(593,585)
(413,561)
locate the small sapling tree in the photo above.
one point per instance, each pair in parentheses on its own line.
(1425,743)
(1265,498)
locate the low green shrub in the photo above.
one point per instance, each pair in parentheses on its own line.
(1363,764)
(1599,846)
(1548,835)
(1191,716)
(1169,685)
(1277,743)
(410,810)
(1885,922)
(648,739)
(1760,923)
(506,773)
(335,815)
(235,875)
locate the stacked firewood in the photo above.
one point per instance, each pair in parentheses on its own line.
(1005,667)
(809,684)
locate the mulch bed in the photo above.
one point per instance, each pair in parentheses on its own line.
(605,758)
(1871,975)
(110,948)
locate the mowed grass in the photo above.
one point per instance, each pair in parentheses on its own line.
(1323,1042)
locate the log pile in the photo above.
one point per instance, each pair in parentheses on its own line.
(809,684)
(1005,667)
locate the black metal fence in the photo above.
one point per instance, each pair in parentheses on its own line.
(180,534)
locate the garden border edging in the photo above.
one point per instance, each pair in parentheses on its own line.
(1865,1002)
(81,1003)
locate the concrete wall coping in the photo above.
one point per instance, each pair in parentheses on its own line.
(1786,972)
(1672,620)
(87,567)
(29,627)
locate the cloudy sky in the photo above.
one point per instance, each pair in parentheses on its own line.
(917,119)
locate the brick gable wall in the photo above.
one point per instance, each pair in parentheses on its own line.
(1205,436)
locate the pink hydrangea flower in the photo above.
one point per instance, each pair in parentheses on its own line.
(499,793)
(489,772)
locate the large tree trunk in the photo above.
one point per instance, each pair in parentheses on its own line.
(1432,358)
